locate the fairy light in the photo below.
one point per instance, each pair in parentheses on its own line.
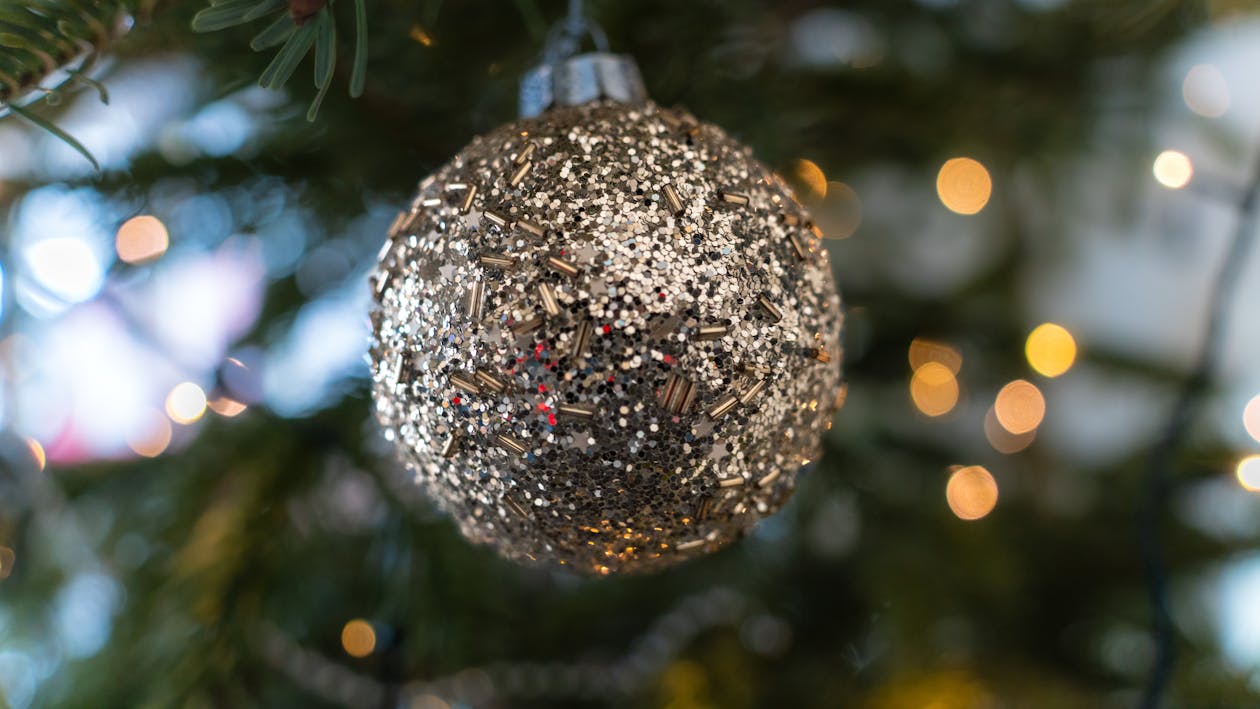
(1251,417)
(1019,407)
(1173,169)
(933,389)
(358,638)
(154,439)
(812,177)
(37,453)
(1249,473)
(971,492)
(963,185)
(186,403)
(1051,350)
(141,239)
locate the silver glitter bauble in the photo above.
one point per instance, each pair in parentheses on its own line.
(606,337)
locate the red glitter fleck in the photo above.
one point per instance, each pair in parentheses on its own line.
(669,359)
(542,388)
(607,329)
(551,419)
(455,401)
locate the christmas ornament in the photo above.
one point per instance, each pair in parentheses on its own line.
(605,336)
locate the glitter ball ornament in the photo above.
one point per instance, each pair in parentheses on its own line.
(605,337)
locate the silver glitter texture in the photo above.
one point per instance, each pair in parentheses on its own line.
(606,360)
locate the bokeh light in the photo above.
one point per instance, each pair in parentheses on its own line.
(840,213)
(225,406)
(1205,90)
(186,403)
(1173,169)
(1002,440)
(152,439)
(933,389)
(7,559)
(963,185)
(971,492)
(923,351)
(1019,407)
(811,178)
(1051,349)
(141,239)
(1249,473)
(37,453)
(68,267)
(358,638)
(1251,417)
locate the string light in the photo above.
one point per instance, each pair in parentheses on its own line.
(358,638)
(1019,407)
(963,185)
(154,439)
(1051,350)
(933,389)
(1205,90)
(1002,440)
(226,407)
(812,177)
(186,403)
(1251,417)
(923,350)
(1249,473)
(971,492)
(141,239)
(37,453)
(1173,169)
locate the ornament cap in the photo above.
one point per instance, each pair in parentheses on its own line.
(581,79)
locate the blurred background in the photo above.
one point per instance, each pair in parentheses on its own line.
(1028,205)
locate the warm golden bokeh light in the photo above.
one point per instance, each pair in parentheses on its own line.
(417,34)
(153,441)
(1173,169)
(840,213)
(1002,440)
(358,638)
(812,178)
(934,389)
(142,238)
(963,185)
(7,558)
(923,350)
(186,403)
(1251,417)
(1249,473)
(37,452)
(971,492)
(1205,90)
(1051,350)
(225,406)
(1019,407)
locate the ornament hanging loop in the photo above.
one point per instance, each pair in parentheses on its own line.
(565,37)
(566,78)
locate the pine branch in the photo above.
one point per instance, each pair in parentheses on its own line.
(298,26)
(44,38)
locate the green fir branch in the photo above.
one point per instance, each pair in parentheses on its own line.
(296,34)
(43,39)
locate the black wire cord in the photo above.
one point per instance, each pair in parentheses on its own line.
(1158,478)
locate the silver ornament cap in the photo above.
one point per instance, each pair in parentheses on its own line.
(582,79)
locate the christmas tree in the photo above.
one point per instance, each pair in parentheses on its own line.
(1038,489)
